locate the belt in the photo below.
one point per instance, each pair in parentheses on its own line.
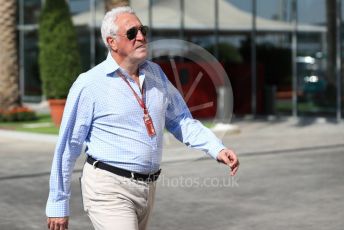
(122,172)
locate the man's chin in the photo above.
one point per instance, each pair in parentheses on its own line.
(141,57)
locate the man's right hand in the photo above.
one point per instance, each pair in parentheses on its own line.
(57,223)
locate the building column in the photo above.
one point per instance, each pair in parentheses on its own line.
(254,60)
(93,33)
(338,60)
(294,58)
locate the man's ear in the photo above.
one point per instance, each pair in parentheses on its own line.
(112,43)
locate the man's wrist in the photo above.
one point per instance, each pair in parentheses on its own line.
(57,208)
(218,154)
(215,151)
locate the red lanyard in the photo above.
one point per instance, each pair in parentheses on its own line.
(146,117)
(139,100)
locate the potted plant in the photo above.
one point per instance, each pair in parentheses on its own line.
(59,58)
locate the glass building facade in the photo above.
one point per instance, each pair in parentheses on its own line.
(278,54)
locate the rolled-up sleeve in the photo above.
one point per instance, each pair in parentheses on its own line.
(77,118)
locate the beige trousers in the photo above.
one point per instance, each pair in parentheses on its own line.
(114,202)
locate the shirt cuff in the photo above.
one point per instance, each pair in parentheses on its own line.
(215,150)
(57,208)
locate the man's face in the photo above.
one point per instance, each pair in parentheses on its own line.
(136,49)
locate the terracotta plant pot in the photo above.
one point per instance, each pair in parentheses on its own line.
(56,110)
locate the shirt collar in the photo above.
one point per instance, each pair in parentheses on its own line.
(111,65)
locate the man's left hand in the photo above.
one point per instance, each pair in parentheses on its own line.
(228,157)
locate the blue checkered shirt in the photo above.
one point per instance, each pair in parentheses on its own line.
(102,112)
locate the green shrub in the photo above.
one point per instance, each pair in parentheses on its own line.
(59,58)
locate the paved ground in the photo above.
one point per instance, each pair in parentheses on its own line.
(291,177)
(298,190)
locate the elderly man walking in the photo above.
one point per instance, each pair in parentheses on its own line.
(119,109)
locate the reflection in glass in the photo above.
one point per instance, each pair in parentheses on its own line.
(235,15)
(276,10)
(32,82)
(100,50)
(31,11)
(141,8)
(83,35)
(315,90)
(79,6)
(201,17)
(235,56)
(274,61)
(315,87)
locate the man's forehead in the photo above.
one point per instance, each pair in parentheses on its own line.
(127,20)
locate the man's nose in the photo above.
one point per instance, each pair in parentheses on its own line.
(140,36)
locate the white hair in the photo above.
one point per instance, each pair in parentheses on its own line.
(109,27)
